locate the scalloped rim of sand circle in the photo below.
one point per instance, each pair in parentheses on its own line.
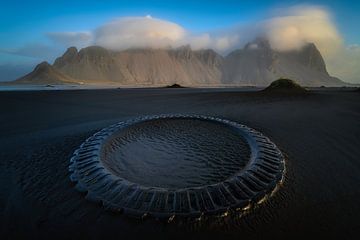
(248,187)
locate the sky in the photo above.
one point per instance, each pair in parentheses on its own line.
(34,31)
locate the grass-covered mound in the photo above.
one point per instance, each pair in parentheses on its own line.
(284,85)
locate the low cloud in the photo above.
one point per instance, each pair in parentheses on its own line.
(296,26)
(142,32)
(138,32)
(300,25)
(346,65)
(32,50)
(78,39)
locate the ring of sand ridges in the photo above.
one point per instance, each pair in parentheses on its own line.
(247,187)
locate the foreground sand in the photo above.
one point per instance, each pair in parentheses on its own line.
(319,133)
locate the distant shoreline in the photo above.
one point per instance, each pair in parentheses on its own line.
(49,87)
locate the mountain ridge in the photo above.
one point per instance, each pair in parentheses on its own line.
(44,73)
(141,66)
(257,64)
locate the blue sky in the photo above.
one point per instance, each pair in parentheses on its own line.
(24,23)
(30,18)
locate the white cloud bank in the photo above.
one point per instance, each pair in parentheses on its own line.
(142,32)
(300,25)
(287,29)
(131,32)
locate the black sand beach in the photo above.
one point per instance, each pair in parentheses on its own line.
(319,133)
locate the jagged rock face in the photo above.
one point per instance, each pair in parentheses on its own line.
(92,64)
(308,56)
(142,66)
(68,57)
(44,73)
(258,65)
(252,65)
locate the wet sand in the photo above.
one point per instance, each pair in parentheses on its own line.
(318,132)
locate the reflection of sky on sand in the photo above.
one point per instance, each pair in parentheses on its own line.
(176,153)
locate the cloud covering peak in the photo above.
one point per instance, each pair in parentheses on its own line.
(143,32)
(129,32)
(300,25)
(288,29)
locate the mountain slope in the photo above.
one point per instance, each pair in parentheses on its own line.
(142,66)
(44,73)
(257,64)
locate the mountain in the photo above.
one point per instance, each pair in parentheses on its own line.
(142,66)
(44,73)
(258,65)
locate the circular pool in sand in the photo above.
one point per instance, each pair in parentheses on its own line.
(177,165)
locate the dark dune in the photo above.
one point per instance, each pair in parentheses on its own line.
(175,85)
(318,132)
(285,86)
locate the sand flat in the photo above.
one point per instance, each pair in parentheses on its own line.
(318,132)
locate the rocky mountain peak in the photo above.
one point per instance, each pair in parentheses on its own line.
(184,48)
(311,57)
(44,73)
(69,56)
(210,57)
(183,52)
(258,64)
(93,52)
(259,43)
(70,52)
(43,66)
